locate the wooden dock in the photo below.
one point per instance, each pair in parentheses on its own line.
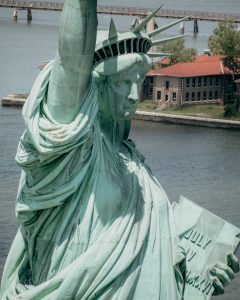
(130,11)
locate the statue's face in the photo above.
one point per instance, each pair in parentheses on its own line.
(122,93)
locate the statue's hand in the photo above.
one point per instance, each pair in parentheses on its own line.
(222,274)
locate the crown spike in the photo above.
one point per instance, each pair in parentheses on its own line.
(162,41)
(158,30)
(112,30)
(148,18)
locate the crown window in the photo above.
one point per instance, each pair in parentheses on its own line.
(144,46)
(135,45)
(128,46)
(102,54)
(148,46)
(97,57)
(138,46)
(121,47)
(114,49)
(108,51)
(141,45)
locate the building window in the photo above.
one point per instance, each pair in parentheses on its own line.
(187,96)
(174,96)
(216,94)
(216,81)
(151,92)
(204,95)
(193,82)
(159,95)
(166,97)
(193,96)
(198,96)
(210,81)
(205,81)
(167,84)
(187,82)
(210,95)
(199,81)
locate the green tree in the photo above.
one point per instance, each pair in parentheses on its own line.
(231,105)
(225,41)
(178,51)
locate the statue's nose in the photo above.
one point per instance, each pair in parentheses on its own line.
(133,96)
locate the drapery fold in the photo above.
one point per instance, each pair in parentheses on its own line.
(82,234)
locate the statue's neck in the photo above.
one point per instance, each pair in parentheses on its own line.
(112,130)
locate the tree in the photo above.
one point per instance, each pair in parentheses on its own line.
(225,41)
(231,105)
(178,51)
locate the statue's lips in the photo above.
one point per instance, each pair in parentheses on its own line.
(131,106)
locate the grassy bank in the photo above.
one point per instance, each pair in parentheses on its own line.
(205,111)
(147,105)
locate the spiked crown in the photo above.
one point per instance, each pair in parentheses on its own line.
(134,41)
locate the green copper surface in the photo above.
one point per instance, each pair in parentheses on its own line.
(94,221)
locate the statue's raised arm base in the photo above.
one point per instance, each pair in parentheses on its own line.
(207,240)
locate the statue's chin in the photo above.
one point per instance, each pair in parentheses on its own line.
(119,115)
(124,115)
(129,115)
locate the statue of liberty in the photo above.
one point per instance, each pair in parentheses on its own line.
(94,221)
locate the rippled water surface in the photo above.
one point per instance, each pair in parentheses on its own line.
(199,163)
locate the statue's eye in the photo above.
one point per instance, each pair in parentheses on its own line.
(116,84)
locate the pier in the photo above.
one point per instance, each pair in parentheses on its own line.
(129,11)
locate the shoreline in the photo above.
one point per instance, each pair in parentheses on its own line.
(13,101)
(186,120)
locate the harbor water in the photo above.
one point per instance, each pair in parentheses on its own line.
(203,164)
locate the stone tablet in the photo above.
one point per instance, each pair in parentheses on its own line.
(207,240)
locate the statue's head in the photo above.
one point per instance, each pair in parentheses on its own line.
(119,83)
(121,61)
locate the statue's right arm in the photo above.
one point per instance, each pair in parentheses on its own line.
(71,72)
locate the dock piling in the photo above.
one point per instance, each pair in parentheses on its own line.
(29,14)
(195,26)
(15,14)
(182,28)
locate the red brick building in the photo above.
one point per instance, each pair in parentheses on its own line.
(205,80)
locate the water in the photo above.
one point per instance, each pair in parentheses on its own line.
(24,45)
(202,5)
(200,163)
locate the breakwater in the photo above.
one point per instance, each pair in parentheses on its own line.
(187,120)
(13,100)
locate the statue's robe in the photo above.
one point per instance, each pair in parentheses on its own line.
(95,223)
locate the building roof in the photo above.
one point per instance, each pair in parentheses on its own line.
(208,58)
(203,65)
(164,61)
